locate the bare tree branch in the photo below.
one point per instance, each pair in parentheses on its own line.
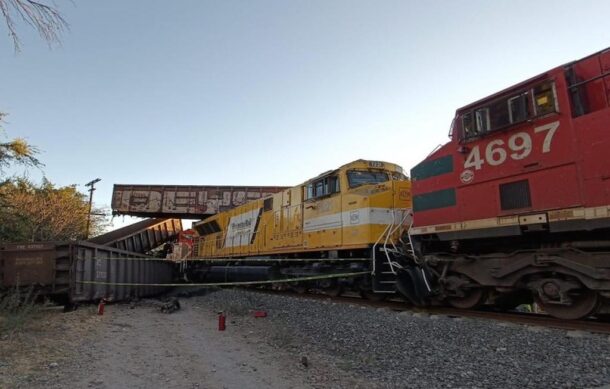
(46,19)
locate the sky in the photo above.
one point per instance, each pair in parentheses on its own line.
(269,92)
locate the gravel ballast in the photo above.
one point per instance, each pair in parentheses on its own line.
(400,349)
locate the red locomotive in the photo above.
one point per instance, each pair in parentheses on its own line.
(516,206)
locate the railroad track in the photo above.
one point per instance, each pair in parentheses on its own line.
(522,318)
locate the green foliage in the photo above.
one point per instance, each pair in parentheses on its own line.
(16,152)
(44,212)
(16,308)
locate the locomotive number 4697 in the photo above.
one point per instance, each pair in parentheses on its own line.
(519,147)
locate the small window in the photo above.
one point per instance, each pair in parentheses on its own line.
(333,185)
(268,204)
(482,117)
(468,126)
(323,187)
(517,108)
(544,99)
(499,117)
(319,188)
(208,228)
(309,194)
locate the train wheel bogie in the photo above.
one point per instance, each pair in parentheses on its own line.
(564,297)
(581,303)
(469,298)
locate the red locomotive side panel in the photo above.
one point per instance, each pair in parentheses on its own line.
(539,146)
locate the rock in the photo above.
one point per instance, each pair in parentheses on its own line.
(374,348)
(508,325)
(170,306)
(535,328)
(578,334)
(53,365)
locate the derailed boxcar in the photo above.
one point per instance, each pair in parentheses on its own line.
(82,271)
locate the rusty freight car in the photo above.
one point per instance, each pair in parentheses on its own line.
(142,236)
(81,271)
(183,201)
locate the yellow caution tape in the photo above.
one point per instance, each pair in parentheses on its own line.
(228,259)
(238,283)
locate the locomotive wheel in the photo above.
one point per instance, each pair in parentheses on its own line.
(584,304)
(472,298)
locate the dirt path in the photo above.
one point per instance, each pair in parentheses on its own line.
(143,348)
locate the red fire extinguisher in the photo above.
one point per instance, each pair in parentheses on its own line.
(100,307)
(221,321)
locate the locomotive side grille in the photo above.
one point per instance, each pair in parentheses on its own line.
(515,195)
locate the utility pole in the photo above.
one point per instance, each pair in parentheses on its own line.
(91,185)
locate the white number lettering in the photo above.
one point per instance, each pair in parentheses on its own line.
(524,145)
(551,128)
(474,159)
(495,156)
(520,144)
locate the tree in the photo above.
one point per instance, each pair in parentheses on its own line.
(44,18)
(16,151)
(45,212)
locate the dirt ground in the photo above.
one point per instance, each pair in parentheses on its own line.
(137,346)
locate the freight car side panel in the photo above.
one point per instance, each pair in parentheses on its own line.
(142,236)
(81,271)
(166,201)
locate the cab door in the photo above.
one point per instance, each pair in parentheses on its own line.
(322,218)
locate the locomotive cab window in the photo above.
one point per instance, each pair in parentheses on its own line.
(323,187)
(482,118)
(509,110)
(468,126)
(517,108)
(544,99)
(364,177)
(268,204)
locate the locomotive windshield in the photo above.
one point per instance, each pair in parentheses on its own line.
(365,177)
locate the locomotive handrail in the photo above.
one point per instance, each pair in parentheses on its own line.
(395,228)
(387,233)
(580,83)
(375,247)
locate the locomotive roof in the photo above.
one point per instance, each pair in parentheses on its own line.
(360,163)
(527,82)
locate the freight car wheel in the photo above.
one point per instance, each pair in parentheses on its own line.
(584,303)
(472,298)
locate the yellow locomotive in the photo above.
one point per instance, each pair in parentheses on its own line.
(342,219)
